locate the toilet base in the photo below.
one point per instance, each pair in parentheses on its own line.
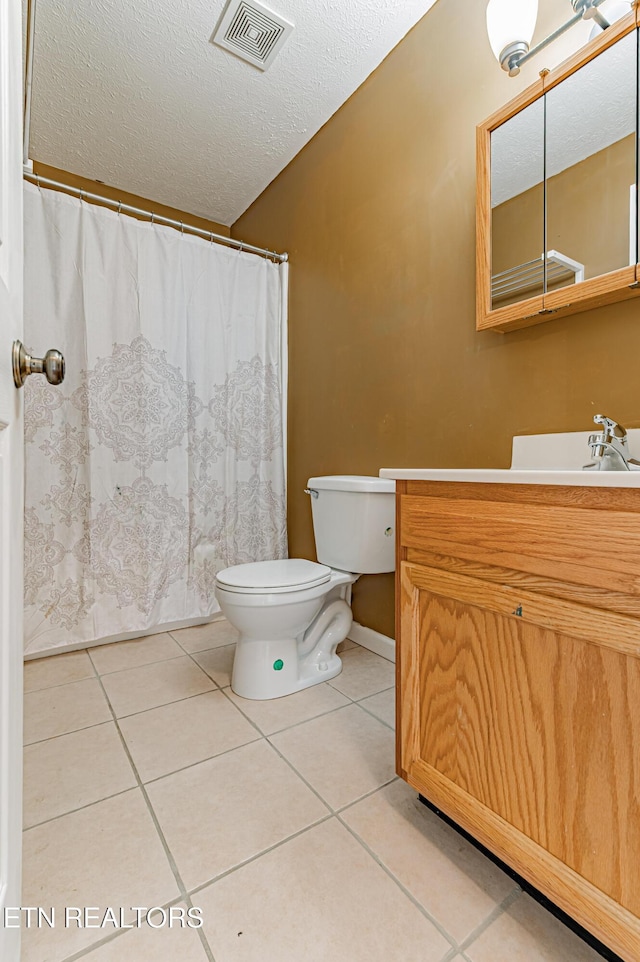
(273,669)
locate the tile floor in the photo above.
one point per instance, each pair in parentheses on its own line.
(148,783)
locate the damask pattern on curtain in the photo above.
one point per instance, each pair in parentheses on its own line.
(160,459)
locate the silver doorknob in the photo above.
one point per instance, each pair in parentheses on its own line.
(51,365)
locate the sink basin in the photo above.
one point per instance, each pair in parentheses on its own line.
(536,459)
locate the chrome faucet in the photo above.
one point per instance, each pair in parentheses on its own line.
(610,448)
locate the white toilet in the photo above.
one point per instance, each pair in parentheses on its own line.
(292,614)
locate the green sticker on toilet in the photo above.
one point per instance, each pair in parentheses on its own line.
(278,664)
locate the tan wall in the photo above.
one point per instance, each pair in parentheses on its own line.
(114,193)
(377,213)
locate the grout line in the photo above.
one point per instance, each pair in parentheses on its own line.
(169,855)
(200,930)
(287,728)
(63,684)
(109,721)
(293,767)
(450,939)
(358,701)
(80,808)
(83,728)
(147,664)
(451,956)
(250,720)
(341,808)
(380,692)
(214,619)
(164,704)
(253,858)
(144,664)
(300,776)
(373,715)
(200,761)
(499,910)
(193,657)
(82,953)
(361,798)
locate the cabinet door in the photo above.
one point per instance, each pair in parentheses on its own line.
(528,734)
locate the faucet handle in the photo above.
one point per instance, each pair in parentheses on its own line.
(610,428)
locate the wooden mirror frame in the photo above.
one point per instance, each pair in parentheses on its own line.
(618,285)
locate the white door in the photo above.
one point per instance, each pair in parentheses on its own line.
(11,471)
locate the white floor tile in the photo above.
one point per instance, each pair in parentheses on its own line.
(66,708)
(383,706)
(319,898)
(131,654)
(218,663)
(343,755)
(149,686)
(214,635)
(228,809)
(450,878)
(274,714)
(169,943)
(528,933)
(173,736)
(363,673)
(57,670)
(65,773)
(107,855)
(309,889)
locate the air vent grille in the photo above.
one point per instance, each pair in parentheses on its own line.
(252,31)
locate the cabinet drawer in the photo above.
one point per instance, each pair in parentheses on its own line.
(580,543)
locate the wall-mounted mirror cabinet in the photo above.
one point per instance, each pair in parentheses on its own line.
(557,209)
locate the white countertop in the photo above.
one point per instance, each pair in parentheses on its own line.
(536,459)
(587,479)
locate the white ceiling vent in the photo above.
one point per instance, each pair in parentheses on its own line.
(252,32)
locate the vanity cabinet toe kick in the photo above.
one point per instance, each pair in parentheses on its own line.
(518,672)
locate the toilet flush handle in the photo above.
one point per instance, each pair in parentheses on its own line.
(312,492)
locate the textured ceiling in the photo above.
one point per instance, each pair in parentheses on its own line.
(589,111)
(131,92)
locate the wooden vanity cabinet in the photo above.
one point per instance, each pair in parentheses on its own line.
(518,661)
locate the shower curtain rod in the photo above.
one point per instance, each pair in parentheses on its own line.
(155,218)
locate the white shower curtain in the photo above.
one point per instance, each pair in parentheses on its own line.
(160,459)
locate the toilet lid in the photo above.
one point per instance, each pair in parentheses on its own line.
(276,576)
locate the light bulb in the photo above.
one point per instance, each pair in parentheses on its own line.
(611,10)
(510,25)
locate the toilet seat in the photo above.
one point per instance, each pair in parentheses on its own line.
(273,577)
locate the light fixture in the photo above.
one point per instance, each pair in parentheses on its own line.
(510,25)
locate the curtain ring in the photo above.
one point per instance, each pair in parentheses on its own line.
(81,195)
(152,218)
(119,207)
(38,182)
(181,227)
(211,237)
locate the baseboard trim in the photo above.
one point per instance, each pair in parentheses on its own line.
(373,640)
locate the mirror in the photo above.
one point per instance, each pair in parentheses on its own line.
(517,207)
(557,214)
(591,164)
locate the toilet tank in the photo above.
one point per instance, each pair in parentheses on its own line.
(354,521)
